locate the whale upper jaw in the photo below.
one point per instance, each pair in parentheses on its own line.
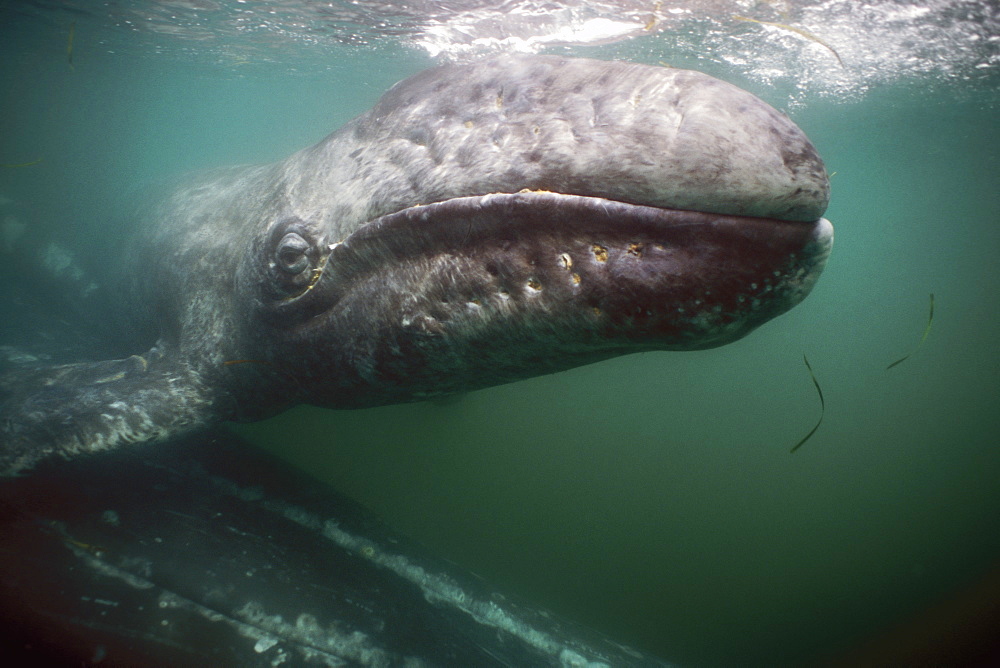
(475,291)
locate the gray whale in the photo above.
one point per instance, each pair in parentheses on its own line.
(481,224)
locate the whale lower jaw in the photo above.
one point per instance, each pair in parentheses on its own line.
(473,291)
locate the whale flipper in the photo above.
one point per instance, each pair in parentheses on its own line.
(86,407)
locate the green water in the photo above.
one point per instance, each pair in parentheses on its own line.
(652,497)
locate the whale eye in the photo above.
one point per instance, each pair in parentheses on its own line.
(288,262)
(291,254)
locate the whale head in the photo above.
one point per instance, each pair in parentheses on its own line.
(489,222)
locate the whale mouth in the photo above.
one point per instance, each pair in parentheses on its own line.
(558,275)
(476,291)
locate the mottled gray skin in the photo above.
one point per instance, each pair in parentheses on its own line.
(481,224)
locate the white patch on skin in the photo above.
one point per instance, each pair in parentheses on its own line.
(265,644)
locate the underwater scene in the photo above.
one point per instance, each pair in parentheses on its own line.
(822,492)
